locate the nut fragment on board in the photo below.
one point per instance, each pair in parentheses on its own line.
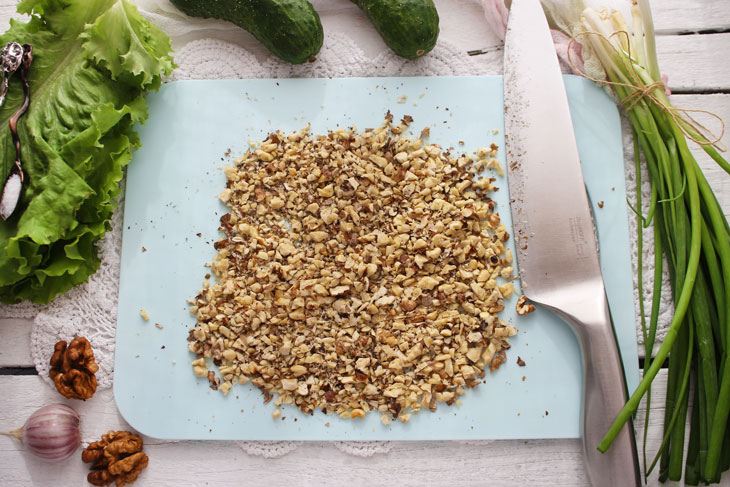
(358,271)
(523,306)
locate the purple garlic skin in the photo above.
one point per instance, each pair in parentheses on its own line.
(52,432)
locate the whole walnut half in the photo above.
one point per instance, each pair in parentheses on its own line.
(118,458)
(73,368)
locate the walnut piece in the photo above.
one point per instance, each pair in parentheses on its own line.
(357,272)
(523,306)
(118,458)
(73,369)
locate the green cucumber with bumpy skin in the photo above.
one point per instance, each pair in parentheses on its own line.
(290,29)
(409,27)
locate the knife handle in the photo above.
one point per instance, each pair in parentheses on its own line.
(605,391)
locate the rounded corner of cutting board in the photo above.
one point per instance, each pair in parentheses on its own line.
(122,388)
(133,414)
(127,412)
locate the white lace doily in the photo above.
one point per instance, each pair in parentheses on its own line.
(268,449)
(90,309)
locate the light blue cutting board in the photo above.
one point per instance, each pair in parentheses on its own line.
(170,224)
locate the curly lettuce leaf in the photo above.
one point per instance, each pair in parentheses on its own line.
(67,263)
(93,61)
(126,44)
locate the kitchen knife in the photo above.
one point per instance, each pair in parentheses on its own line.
(555,242)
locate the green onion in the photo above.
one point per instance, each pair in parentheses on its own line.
(692,234)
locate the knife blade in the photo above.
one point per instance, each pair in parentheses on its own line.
(556,248)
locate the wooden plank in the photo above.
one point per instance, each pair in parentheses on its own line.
(682,16)
(15,343)
(504,463)
(7,9)
(670,16)
(695,63)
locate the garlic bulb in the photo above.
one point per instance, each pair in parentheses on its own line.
(51,433)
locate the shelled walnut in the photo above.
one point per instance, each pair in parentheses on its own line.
(73,369)
(358,272)
(523,306)
(117,458)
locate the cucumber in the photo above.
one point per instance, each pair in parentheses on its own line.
(409,27)
(290,29)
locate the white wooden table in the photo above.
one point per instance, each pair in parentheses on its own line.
(694,49)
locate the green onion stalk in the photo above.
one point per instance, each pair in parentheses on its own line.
(692,234)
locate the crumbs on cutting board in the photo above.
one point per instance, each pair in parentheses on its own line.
(145,316)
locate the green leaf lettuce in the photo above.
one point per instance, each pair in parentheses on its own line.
(93,60)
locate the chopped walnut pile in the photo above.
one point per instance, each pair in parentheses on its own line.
(73,369)
(358,272)
(118,458)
